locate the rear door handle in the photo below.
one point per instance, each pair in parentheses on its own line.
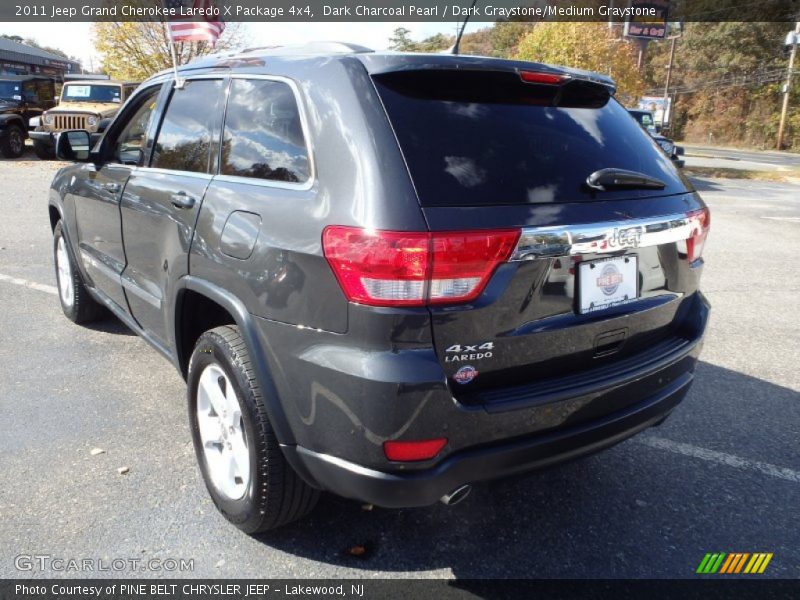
(111,187)
(182,200)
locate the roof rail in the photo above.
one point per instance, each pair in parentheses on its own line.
(309,48)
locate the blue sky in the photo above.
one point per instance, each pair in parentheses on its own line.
(75,38)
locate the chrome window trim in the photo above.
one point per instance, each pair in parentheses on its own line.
(159,171)
(608,236)
(301,109)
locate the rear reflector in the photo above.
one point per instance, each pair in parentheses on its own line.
(393,268)
(546,78)
(411,451)
(700,223)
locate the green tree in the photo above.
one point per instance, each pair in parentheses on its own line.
(135,50)
(401,41)
(728,77)
(435,43)
(506,36)
(591,46)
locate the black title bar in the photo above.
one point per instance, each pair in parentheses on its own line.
(404,10)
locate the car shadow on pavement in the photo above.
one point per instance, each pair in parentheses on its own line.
(632,511)
(108,323)
(705,185)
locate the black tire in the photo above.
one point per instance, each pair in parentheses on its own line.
(275,495)
(13,142)
(82,308)
(43,151)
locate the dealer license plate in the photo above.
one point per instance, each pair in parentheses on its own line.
(607,282)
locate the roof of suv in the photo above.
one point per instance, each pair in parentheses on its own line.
(109,82)
(377,62)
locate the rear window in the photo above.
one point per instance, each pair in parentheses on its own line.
(486,138)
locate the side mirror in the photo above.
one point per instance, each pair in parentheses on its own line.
(73,145)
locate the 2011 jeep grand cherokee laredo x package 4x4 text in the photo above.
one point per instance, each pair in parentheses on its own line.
(360,262)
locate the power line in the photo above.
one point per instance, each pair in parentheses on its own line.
(745,80)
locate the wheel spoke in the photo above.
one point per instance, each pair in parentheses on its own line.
(233,414)
(240,453)
(209,387)
(210,431)
(233,478)
(222,437)
(64,272)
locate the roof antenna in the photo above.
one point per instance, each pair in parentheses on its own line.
(463,27)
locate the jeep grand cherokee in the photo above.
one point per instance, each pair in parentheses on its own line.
(388,276)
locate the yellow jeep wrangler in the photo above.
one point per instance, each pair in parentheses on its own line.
(83,105)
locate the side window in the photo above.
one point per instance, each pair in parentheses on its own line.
(188,139)
(263,137)
(45,90)
(129,148)
(30,91)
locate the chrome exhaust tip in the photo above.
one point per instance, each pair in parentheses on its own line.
(456,496)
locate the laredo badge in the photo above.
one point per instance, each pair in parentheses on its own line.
(465,374)
(459,353)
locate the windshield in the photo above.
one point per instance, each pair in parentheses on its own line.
(478,138)
(11,90)
(91,93)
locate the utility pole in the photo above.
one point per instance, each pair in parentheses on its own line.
(787,90)
(642,53)
(664,119)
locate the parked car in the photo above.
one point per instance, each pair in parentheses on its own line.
(346,255)
(645,119)
(22,97)
(83,105)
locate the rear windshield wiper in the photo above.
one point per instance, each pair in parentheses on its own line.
(606,179)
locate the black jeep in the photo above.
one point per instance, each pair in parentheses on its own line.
(22,97)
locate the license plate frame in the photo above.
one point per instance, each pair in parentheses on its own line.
(620,273)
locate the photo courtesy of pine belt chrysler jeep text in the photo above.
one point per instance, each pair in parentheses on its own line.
(387,276)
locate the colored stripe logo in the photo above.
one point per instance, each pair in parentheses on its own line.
(732,563)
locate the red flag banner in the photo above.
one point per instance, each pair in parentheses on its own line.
(194,21)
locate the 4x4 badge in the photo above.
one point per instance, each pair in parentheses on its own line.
(459,353)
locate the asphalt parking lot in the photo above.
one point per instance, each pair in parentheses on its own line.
(721,475)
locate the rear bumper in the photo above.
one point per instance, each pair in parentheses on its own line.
(342,403)
(422,488)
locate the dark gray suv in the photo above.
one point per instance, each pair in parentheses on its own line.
(387,276)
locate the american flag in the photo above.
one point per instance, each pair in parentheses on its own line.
(193,29)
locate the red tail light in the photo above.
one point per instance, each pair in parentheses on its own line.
(700,222)
(393,268)
(546,78)
(411,451)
